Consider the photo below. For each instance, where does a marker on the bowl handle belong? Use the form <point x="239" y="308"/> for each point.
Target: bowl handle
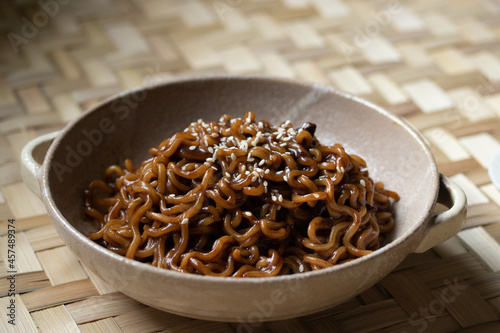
<point x="447" y="224"/>
<point x="32" y="157"/>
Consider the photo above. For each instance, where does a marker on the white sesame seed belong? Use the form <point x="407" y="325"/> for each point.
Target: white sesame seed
<point x="247" y="172"/>
<point x="285" y="178"/>
<point x="274" y="198"/>
<point x="261" y="163"/>
<point x="214" y="168"/>
<point x="287" y="122"/>
<point x="227" y="174"/>
<point x="280" y="198"/>
<point x="287" y="138"/>
<point x="200" y="121"/>
<point x="171" y="195"/>
<point x="210" y="159"/>
<point x="192" y="148"/>
<point x="265" y="183"/>
<point x="283" y="144"/>
<point x="267" y="171"/>
<point x="214" y="135"/>
<point x="362" y="182"/>
<point x="254" y="178"/>
<point x="279" y="207"/>
<point x="206" y="163"/>
<point x="238" y="177"/>
<point x="301" y="268"/>
<point x="233" y="156"/>
<point x="251" y="159"/>
<point x="185" y="221"/>
<point x="316" y="195"/>
<point x="342" y="169"/>
<point x="248" y="214"/>
<point x="266" y="206"/>
<point x="210" y="150"/>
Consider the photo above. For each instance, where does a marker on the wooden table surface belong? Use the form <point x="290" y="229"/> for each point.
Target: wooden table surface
<point x="435" y="63"/>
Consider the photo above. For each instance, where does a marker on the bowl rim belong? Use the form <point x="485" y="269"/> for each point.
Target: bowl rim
<point x="57" y="215"/>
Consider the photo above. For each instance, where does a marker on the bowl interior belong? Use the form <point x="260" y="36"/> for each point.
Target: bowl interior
<point x="125" y="127"/>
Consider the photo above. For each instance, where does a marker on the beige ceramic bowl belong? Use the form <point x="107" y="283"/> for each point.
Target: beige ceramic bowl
<point x="127" y="125"/>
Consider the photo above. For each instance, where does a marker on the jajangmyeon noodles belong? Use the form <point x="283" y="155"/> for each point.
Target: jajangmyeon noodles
<point x="241" y="198"/>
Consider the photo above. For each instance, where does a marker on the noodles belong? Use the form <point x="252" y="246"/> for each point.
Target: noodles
<point x="241" y="198"/>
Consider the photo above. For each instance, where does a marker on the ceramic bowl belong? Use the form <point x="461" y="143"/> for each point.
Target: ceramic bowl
<point x="128" y="124"/>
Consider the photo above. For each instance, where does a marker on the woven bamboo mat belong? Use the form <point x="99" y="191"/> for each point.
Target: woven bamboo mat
<point x="434" y="62"/>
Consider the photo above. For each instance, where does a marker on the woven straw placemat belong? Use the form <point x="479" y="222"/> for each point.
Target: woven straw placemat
<point x="434" y="62"/>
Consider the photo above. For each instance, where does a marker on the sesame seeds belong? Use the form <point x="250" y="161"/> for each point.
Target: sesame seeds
<point x="362" y="182"/>
<point x="185" y="221"/>
<point x="316" y="195"/>
<point x="247" y="214"/>
<point x="192" y="148"/>
<point x="233" y="156"/>
<point x="301" y="268"/>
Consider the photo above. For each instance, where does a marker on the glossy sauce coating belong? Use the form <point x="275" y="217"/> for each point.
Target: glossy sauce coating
<point x="241" y="198"/>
